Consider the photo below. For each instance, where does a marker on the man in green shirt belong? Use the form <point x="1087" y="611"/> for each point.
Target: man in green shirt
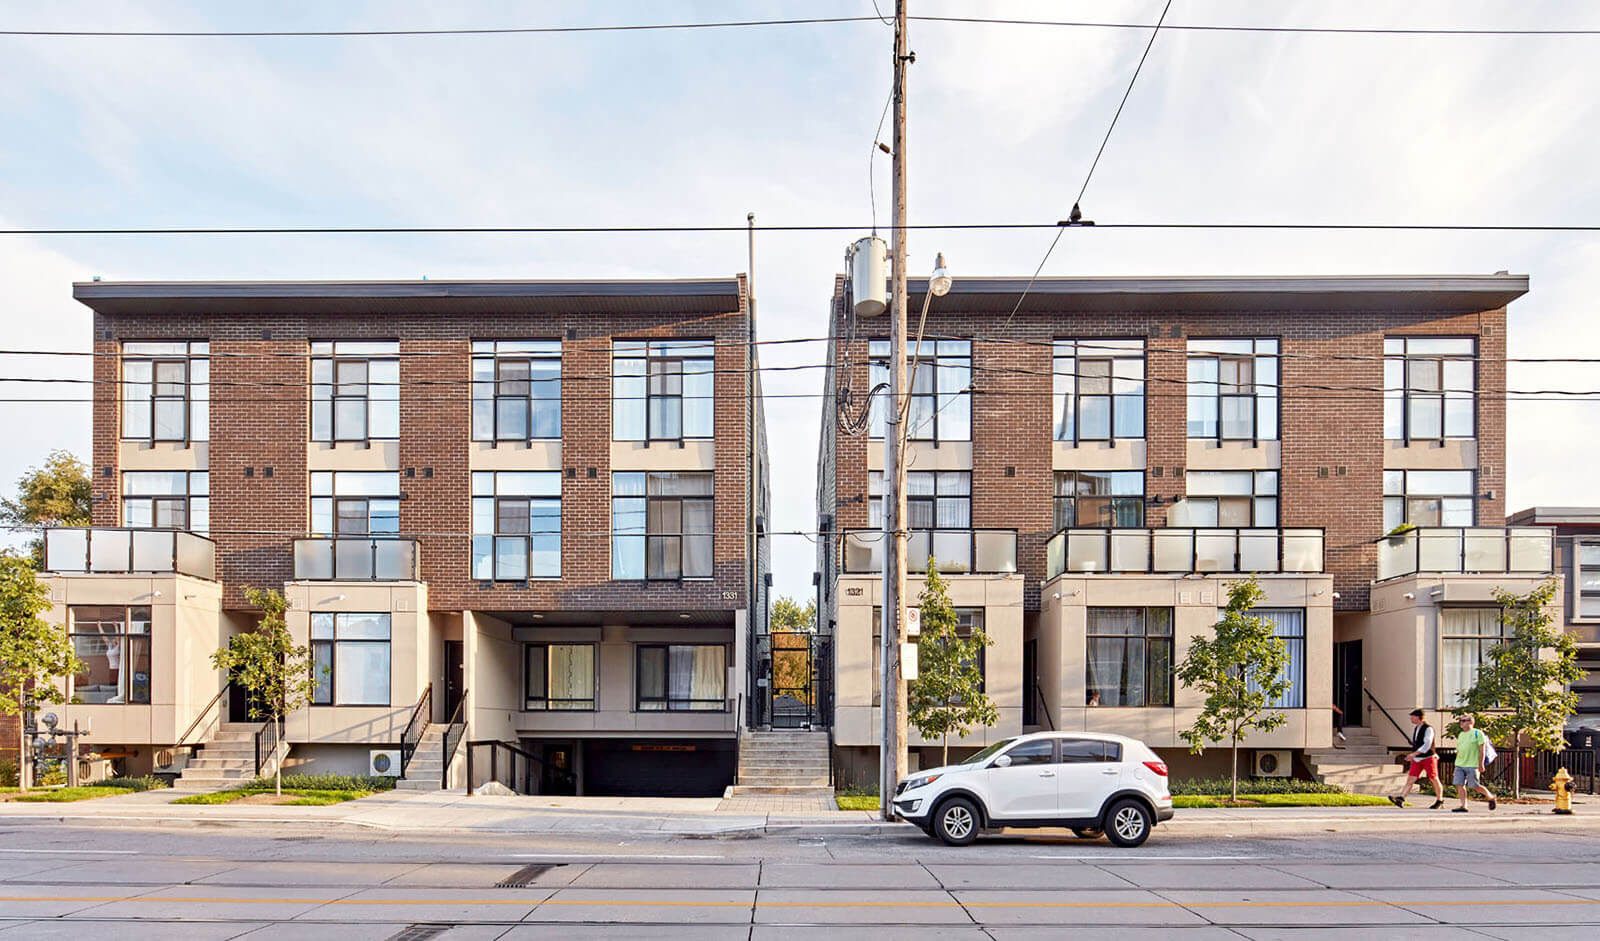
<point x="1471" y="746"/>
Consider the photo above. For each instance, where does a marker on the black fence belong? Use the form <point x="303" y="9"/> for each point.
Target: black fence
<point x="1538" y="769"/>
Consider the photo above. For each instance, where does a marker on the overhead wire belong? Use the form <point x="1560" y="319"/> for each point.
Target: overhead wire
<point x="685" y="229"/>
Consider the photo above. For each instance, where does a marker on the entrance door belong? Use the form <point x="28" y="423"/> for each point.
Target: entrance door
<point x="1347" y="681"/>
<point x="792" y="688"/>
<point x="454" y="675"/>
<point x="1030" y="681"/>
<point x="559" y="776"/>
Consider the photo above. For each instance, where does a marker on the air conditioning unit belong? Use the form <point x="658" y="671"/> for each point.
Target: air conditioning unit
<point x="1273" y="763"/>
<point x="385" y="762"/>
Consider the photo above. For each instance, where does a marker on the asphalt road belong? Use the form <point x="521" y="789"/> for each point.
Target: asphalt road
<point x="59" y="881"/>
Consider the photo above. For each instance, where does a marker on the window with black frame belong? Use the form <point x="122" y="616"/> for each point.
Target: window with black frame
<point x="662" y="390"/>
<point x="350" y="659"/>
<point x="167" y="500"/>
<point x="1429" y="388"/>
<point x="662" y="525"/>
<point x="1099" y="499"/>
<point x="1429" y="498"/>
<point x="516" y="390"/>
<point x="355" y="503"/>
<point x="1129" y="657"/>
<point x="1586" y="579"/>
<point x="559" y="677"/>
<point x="934" y="500"/>
<point x="166" y="391"/>
<point x="681" y="677"/>
<point x="1227" y="498"/>
<point x="1289" y="626"/>
<point x="113" y="644"/>
<point x="516" y="525"/>
<point x="1233" y="389"/>
<point x="1099" y="389"/>
<point x="1466" y="635"/>
<point x="941" y="389"/>
<point x="355" y="390"/>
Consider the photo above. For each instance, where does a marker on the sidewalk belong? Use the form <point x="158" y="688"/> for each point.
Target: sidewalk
<point x="439" y="811"/>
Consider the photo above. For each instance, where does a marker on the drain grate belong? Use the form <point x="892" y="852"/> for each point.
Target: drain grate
<point x="419" y="932"/>
<point x="523" y="877"/>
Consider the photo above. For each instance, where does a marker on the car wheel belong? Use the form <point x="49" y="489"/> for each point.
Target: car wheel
<point x="956" y="822"/>
<point x="1128" y="823"/>
<point x="1088" y="833"/>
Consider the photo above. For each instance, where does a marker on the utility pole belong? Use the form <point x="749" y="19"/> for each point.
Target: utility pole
<point x="892" y="698"/>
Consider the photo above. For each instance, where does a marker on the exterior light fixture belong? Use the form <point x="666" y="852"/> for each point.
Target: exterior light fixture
<point x="939" y="283"/>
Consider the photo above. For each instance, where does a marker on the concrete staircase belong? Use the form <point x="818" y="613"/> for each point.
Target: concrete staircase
<point x="783" y="762"/>
<point x="1362" y="766"/>
<point x="227" y="760"/>
<point x="426" y="770"/>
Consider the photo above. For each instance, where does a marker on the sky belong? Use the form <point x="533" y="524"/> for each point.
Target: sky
<point x="701" y="127"/>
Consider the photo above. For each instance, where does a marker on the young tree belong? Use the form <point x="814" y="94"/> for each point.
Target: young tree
<point x="947" y="696"/>
<point x="1240" y="668"/>
<point x="1521" y="693"/>
<point x="56" y="493"/>
<point x="33" y="653"/>
<point x="272" y="669"/>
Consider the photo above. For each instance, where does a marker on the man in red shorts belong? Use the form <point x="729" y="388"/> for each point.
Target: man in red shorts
<point x="1423" y="760"/>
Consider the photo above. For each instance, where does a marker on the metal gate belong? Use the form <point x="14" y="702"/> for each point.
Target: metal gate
<point x="802" y="665"/>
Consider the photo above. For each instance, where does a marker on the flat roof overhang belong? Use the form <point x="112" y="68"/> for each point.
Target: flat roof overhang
<point x="685" y="296"/>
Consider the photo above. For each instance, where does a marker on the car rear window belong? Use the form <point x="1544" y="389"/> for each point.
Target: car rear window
<point x="1074" y="750"/>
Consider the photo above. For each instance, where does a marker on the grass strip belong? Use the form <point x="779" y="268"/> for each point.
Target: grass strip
<point x="61" y="795"/>
<point x="1193" y="801"/>
<point x="857" y="801"/>
<point x="304" y="797"/>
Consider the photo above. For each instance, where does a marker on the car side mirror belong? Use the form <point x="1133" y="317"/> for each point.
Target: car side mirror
<point x="1004" y="761"/>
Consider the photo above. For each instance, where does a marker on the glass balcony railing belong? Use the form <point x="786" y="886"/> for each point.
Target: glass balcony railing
<point x="1468" y="550"/>
<point x="356" y="559"/>
<point x="957" y="551"/>
<point x="120" y="551"/>
<point x="1180" y="550"/>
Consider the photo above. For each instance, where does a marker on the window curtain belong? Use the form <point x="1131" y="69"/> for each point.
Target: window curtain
<point x="1467" y="635"/>
<point x="709" y="678"/>
<point x="680" y="674"/>
<point x="571" y="676"/>
<point x="1116" y="656"/>
<point x="1289" y="624"/>
<point x="652" y="678"/>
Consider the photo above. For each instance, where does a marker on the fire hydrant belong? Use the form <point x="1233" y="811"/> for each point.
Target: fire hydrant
<point x="1562" y="785"/>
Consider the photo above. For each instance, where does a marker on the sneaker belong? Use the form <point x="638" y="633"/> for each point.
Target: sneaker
<point x="1436" y="805"/>
<point x="1397" y="801"/>
<point x="1491" y="803"/>
<point x="1342" y="738"/>
<point x="1459" y="810"/>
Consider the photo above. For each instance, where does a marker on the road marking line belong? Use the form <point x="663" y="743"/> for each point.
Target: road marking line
<point x="7" y="849"/>
<point x="619" y="856"/>
<point x="1141" y="859"/>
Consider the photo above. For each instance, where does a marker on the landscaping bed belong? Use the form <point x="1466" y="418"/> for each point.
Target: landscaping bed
<point x="46" y="794"/>
<point x="299" y="790"/>
<point x="1193" y="801"/>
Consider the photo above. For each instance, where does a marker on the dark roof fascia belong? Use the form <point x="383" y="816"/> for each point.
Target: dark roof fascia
<point x="1556" y="516"/>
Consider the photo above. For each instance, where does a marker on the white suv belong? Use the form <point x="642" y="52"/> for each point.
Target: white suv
<point x="1090" y="782"/>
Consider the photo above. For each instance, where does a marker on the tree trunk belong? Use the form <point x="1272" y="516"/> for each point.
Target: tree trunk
<point x="277" y="766"/>
<point x="1235" y="767"/>
<point x="22" y="742"/>
<point x="1516" y="764"/>
<point x="944" y="755"/>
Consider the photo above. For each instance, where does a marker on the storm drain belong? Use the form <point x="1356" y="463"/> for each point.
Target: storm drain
<point x="524" y="877"/>
<point x="419" y="932"/>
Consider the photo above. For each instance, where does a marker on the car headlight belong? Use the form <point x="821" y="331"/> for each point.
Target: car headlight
<point x="913" y="783"/>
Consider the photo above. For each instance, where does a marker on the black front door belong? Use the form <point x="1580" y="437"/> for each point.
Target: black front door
<point x="1347" y="681"/>
<point x="1030" y="682"/>
<point x="454" y="675"/>
<point x="559" y="776"/>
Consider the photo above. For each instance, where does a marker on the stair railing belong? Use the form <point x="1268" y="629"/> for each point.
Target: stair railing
<point x="412" y="736"/>
<point x="1044" y="707"/>
<point x="454" y="731"/>
<point x="197" y="719"/>
<point x="1374" y="701"/>
<point x="268" y="741"/>
<point x="507" y="764"/>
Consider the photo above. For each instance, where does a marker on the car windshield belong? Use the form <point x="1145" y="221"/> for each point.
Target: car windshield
<point x="989" y="752"/>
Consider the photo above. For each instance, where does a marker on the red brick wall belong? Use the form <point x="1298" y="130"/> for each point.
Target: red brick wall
<point x="1322" y="430"/>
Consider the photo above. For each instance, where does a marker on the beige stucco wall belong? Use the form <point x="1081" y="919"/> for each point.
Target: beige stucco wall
<point x="187" y="626"/>
<point x="1000" y="596"/>
<point x="493" y="677"/>
<point x="352" y="456"/>
<point x="1195" y="601"/>
<point x="663" y="455"/>
<point x="1400" y="641"/>
<point x="926" y="455"/>
<point x="514" y="455"/>
<point x="1430" y="455"/>
<point x="1206" y="454"/>
<point x="1122" y="454"/>
<point x="162" y="456"/>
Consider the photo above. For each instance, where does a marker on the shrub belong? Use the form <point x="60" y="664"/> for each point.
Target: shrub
<point x="325" y="782"/>
<point x="1222" y="786"/>
<point x="146" y="783"/>
<point x="8" y="772"/>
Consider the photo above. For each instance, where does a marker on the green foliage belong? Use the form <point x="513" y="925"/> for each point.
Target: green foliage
<point x="1521" y="695"/>
<point x="8" y="772"/>
<point x="1192" y="801"/>
<point x="1402" y="529"/>
<point x="1222" y="787"/>
<point x="1240" y="668"/>
<point x="327" y="782"/>
<point x="792" y="627"/>
<point x="268" y="664"/>
<point x="56" y="493"/>
<point x="307" y="797"/>
<point x="789" y="615"/>
<point x="857" y="801"/>
<point x="146" y="783"/>
<point x="947" y="696"/>
<point x="34" y="655"/>
<point x="64" y="795"/>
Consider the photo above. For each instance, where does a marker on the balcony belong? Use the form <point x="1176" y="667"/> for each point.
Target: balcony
<point x="1468" y="551"/>
<point x="356" y="559"/>
<point x="120" y="551"/>
<point x="958" y="551"/>
<point x="1179" y="550"/>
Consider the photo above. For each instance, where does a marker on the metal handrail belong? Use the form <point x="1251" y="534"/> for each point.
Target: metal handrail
<point x="320" y="559"/>
<point x="136" y="551"/>
<point x="274" y="742"/>
<point x="1374" y="701"/>
<point x="1467" y="550"/>
<point x="455" y="727"/>
<point x="412" y="736"/>
<point x="1296" y="550"/>
<point x="196" y="723"/>
<point x="920" y="545"/>
<point x="1039" y="692"/>
<point x="513" y="753"/>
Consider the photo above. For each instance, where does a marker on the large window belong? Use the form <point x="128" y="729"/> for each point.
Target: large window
<point x="1466" y="635"/>
<point x="355" y="390"/>
<point x="941" y="389"/>
<point x="1129" y="657"/>
<point x="166" y="391"/>
<point x="167" y="500"/>
<point x="516" y="390"/>
<point x="1099" y="499"/>
<point x="662" y="390"/>
<point x="350" y="659"/>
<point x="559" y="677"/>
<point x="1289" y="624"/>
<point x="967" y="621"/>
<point x="1586" y="578"/>
<point x="681" y="677"/>
<point x="661" y="525"/>
<point x="1099" y="389"/>
<point x="1228" y="498"/>
<point x="1233" y="389"/>
<point x="355" y="503"/>
<point x="1428" y="498"/>
<point x="934" y="499"/>
<point x="1429" y="386"/>
<point x="516" y="525"/>
<point x="113" y="643"/>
